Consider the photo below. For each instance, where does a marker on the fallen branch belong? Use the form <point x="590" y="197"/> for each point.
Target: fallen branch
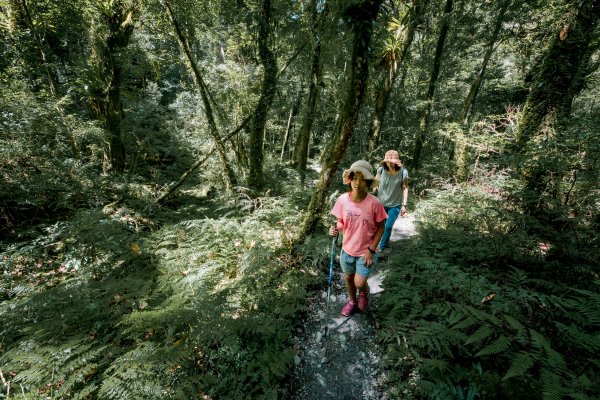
<point x="198" y="163"/>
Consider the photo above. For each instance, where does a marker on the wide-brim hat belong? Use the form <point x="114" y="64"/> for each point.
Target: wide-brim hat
<point x="393" y="157"/>
<point x="364" y="168"/>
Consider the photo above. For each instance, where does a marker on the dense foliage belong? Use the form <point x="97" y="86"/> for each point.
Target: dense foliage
<point x="158" y="160"/>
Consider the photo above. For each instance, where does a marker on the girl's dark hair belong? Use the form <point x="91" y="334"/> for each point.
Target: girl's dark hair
<point x="396" y="167"/>
<point x="351" y="177"/>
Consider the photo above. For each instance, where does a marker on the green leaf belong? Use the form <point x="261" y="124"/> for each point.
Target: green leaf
<point x="480" y="335"/>
<point x="519" y="365"/>
<point x="497" y="346"/>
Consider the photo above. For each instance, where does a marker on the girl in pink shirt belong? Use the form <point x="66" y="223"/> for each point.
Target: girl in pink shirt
<point x="362" y="218"/>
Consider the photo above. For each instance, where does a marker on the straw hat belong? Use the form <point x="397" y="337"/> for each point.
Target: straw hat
<point x="393" y="157"/>
<point x="364" y="168"/>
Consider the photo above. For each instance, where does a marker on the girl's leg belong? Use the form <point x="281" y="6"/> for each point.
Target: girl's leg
<point x="393" y="213"/>
<point x="350" y="286"/>
<point x="363" y="291"/>
<point x="360" y="282"/>
<point x="348" y="264"/>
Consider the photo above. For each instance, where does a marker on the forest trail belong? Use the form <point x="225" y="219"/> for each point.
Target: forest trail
<point x="345" y="362"/>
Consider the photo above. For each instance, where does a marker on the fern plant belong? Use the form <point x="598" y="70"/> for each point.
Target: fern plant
<point x="447" y="338"/>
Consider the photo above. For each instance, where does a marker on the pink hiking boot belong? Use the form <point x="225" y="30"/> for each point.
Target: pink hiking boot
<point x="349" y="308"/>
<point x="363" y="299"/>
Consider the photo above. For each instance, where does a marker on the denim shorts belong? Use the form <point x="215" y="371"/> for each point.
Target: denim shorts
<point x="352" y="265"/>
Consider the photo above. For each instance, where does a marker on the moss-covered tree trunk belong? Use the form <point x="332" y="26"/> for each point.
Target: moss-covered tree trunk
<point x="106" y="100"/>
<point x="17" y="16"/>
<point x="563" y="71"/>
<point x="302" y="142"/>
<point x="435" y="72"/>
<point x="557" y="82"/>
<point x="267" y="94"/>
<point x="362" y="17"/>
<point x="392" y="61"/>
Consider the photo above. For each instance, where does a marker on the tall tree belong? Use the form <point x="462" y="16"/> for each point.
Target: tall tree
<point x="230" y="178"/>
<point x="435" y="72"/>
<point x="21" y="21"/>
<point x="302" y="142"/>
<point x="557" y="82"/>
<point x="563" y="71"/>
<point x="394" y="57"/>
<point x="267" y="94"/>
<point x="361" y="17"/>
<point x="458" y="147"/>
<point x="119" y="17"/>
<point x="476" y="85"/>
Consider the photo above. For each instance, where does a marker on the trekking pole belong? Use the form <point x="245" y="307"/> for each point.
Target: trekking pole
<point x="333" y="240"/>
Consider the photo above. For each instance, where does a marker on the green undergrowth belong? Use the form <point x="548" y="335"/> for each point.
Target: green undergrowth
<point x="477" y="307"/>
<point x="112" y="305"/>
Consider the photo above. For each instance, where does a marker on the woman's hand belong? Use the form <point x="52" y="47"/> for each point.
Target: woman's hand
<point x="333" y="231"/>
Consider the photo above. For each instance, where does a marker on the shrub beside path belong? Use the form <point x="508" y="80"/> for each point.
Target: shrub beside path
<point x="342" y="361"/>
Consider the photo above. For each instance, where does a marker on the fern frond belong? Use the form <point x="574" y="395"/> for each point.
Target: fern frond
<point x="466" y="323"/>
<point x="519" y="365"/>
<point x="551" y="385"/>
<point x="480" y="335"/>
<point x="497" y="346"/>
<point x="517" y="276"/>
<point x="579" y="396"/>
<point x="433" y="364"/>
<point x="539" y="341"/>
<point x="521" y="335"/>
<point x="556" y="361"/>
<point x="578" y="339"/>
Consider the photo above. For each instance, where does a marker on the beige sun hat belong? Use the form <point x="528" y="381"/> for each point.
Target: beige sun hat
<point x="364" y="168"/>
<point x="393" y="157"/>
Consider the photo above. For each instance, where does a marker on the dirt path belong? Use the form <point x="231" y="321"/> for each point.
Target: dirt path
<point x="337" y="356"/>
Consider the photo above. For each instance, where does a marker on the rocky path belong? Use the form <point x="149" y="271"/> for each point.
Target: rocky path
<point x="337" y="356"/>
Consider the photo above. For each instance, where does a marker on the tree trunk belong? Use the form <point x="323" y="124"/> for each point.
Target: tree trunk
<point x="391" y="63"/>
<point x="286" y="135"/>
<point x="288" y="130"/>
<point x="474" y="90"/>
<point x="269" y="85"/>
<point x="302" y="142"/>
<point x="230" y="179"/>
<point x="18" y="16"/>
<point x="20" y="20"/>
<point x="558" y="81"/>
<point x="175" y="185"/>
<point x="458" y="147"/>
<point x="363" y="16"/>
<point x="106" y="104"/>
<point x="562" y="74"/>
<point x="435" y="71"/>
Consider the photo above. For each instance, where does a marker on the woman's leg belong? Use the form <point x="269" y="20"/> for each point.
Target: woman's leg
<point x="393" y="213"/>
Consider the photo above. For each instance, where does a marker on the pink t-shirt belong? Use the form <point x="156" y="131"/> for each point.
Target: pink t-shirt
<point x="360" y="222"/>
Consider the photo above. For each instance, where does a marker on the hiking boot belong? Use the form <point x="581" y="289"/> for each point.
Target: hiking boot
<point x="349" y="308"/>
<point x="363" y="299"/>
